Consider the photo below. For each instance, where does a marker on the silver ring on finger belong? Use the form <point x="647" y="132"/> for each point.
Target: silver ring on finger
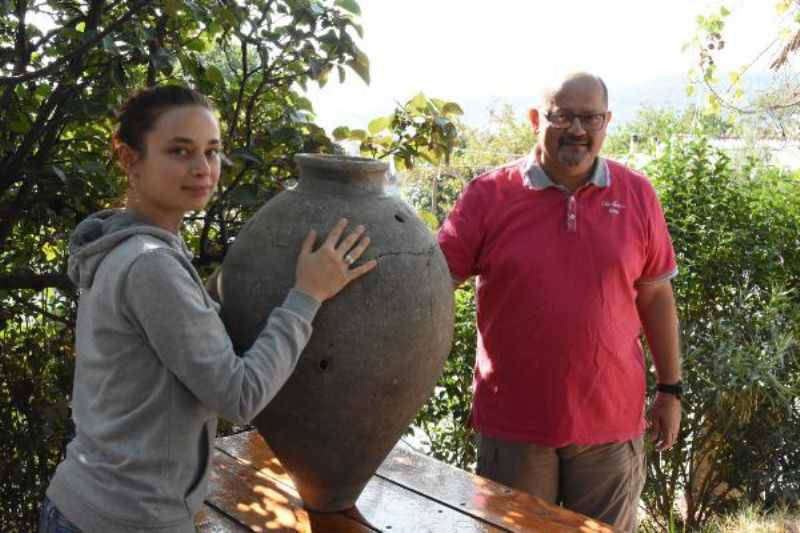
<point x="349" y="259"/>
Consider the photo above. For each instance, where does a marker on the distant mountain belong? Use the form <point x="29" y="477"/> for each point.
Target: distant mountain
<point x="625" y="102"/>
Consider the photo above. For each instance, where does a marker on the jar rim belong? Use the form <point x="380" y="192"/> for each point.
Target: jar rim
<point x="340" y="161"/>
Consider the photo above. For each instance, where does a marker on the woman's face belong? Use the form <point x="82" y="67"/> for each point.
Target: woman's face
<point x="180" y="166"/>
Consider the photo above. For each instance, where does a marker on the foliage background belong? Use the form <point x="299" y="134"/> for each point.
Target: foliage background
<point x="734" y="224"/>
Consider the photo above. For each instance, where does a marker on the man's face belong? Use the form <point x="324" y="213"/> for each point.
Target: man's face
<point x="574" y="146"/>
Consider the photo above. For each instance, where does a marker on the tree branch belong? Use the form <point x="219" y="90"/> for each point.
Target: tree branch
<point x="237" y="107"/>
<point x="52" y="33"/>
<point x="11" y="215"/>
<point x="47" y="118"/>
<point x="37" y="282"/>
<point x="47" y="314"/>
<point x="154" y="46"/>
<point x="80" y="50"/>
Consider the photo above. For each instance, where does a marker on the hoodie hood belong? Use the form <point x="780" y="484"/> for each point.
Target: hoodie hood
<point x="98" y="234"/>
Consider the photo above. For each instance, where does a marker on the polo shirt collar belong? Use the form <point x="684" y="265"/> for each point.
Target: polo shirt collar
<point x="536" y="178"/>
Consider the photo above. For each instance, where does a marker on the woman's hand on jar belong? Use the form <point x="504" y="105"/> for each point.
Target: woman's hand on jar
<point x="323" y="273"/>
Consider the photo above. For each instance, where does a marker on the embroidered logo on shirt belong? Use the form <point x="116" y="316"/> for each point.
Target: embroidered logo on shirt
<point x="614" y="207"/>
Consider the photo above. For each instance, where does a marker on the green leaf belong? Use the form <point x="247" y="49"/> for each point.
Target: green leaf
<point x="162" y="60"/>
<point x="60" y="173"/>
<point x="452" y="108"/>
<point x="418" y="103"/>
<point x="379" y="124"/>
<point x="301" y="102"/>
<point x="246" y="195"/>
<point x="349" y="5"/>
<point x="109" y="45"/>
<point x="442" y="122"/>
<point x="428" y="218"/>
<point x="171" y="7"/>
<point x="42" y="91"/>
<point x="341" y="133"/>
<point x="329" y="38"/>
<point x="50" y="251"/>
<point x="298" y="115"/>
<point x="358" y="135"/>
<point x="315" y="67"/>
<point x="361" y="66"/>
<point x="724" y="11"/>
<point x="214" y="75"/>
<point x="20" y="124"/>
<point x="322" y="79"/>
<point x="213" y="28"/>
<point x="80" y="27"/>
<point x="197" y="45"/>
<point x="316" y="9"/>
<point x="712" y="104"/>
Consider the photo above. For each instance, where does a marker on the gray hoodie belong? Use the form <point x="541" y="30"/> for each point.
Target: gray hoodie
<point x="154" y="368"/>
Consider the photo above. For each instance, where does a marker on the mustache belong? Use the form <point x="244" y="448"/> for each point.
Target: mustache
<point x="574" y="140"/>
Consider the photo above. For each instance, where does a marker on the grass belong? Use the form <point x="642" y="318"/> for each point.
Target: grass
<point x="748" y="520"/>
<point x="753" y="520"/>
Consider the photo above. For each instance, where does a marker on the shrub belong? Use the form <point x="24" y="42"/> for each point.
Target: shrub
<point x="735" y="235"/>
<point x="444" y="417"/>
<point x="36" y="362"/>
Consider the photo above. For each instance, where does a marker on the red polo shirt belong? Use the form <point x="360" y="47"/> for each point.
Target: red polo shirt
<point x="559" y="360"/>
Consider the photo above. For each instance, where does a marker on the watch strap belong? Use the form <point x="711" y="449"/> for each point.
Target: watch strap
<point x="676" y="389"/>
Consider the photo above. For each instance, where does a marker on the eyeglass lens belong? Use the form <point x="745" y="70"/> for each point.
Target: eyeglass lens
<point x="589" y="121"/>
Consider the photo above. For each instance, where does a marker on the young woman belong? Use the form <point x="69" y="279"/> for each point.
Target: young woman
<point x="154" y="364"/>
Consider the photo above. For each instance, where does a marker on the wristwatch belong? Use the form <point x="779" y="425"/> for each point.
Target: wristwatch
<point x="676" y="389"/>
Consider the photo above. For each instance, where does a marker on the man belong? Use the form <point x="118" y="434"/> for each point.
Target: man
<point x="573" y="260"/>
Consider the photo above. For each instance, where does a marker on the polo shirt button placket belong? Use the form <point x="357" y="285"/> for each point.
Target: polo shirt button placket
<point x="571" y="214"/>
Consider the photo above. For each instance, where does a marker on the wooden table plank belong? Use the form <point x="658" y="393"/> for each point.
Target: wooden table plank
<point x="391" y="508"/>
<point x="260" y="503"/>
<point x="209" y="520"/>
<point x="383" y="506"/>
<point x="434" y="496"/>
<point x="498" y="504"/>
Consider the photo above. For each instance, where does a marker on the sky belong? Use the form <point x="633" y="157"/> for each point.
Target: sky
<point x="485" y="53"/>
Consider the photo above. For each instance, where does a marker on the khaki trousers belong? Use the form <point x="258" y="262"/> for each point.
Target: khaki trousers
<point x="603" y="481"/>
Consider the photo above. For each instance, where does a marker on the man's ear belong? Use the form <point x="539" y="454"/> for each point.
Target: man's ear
<point x="533" y="117"/>
<point x="608" y="118"/>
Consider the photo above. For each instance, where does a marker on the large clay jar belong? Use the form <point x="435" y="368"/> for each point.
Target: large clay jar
<point x="378" y="347"/>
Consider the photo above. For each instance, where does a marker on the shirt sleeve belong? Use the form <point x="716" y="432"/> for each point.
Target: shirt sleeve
<point x="461" y="235"/>
<point x="188" y="336"/>
<point x="660" y="264"/>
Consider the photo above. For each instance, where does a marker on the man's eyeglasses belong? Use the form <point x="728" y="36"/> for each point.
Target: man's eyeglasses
<point x="564" y="119"/>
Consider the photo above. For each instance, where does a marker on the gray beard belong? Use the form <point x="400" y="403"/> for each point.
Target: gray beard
<point x="569" y="157"/>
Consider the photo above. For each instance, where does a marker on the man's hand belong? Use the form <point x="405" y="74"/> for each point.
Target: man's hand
<point x="656" y="305"/>
<point x="664" y="420"/>
<point x="324" y="272"/>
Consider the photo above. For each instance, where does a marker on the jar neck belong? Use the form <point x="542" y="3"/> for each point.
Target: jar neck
<point x="340" y="174"/>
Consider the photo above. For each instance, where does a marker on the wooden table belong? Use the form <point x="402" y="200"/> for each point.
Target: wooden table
<point x="410" y="492"/>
